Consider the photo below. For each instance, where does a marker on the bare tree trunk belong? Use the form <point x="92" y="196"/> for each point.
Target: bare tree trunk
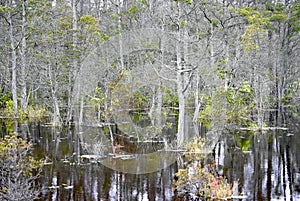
<point x="282" y="70"/>
<point x="181" y="100"/>
<point x="180" y="86"/>
<point x="159" y="105"/>
<point x="259" y="101"/>
<point x="56" y="115"/>
<point x="53" y="86"/>
<point x="156" y="107"/>
<point x="120" y="34"/>
<point x="80" y="121"/>
<point x="272" y="63"/>
<point x="197" y="101"/>
<point x="23" y="78"/>
<point x="13" y="63"/>
<point x="211" y="46"/>
<point x="74" y="70"/>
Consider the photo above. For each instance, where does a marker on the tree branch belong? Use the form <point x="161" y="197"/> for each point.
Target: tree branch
<point x="163" y="77"/>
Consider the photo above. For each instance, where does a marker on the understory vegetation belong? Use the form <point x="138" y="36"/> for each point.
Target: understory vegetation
<point x="19" y="170"/>
<point x="199" y="180"/>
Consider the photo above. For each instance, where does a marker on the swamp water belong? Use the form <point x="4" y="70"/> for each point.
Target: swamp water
<point x="265" y="165"/>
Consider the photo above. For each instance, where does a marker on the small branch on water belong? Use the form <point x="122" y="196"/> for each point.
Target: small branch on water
<point x="187" y="152"/>
<point x="263" y="128"/>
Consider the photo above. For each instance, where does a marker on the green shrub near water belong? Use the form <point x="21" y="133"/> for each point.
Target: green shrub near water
<point x="200" y="181"/>
<point x="31" y="112"/>
<point x="18" y="169"/>
<point x="4" y="98"/>
<point x="8" y="110"/>
<point x="235" y="103"/>
<point x="203" y="183"/>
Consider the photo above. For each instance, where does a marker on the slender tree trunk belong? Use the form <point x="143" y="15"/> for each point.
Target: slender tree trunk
<point x="156" y="107"/>
<point x="120" y="35"/>
<point x="56" y="115"/>
<point x="13" y="63"/>
<point x="73" y="70"/>
<point x="272" y="85"/>
<point x="196" y="123"/>
<point x="23" y="78"/>
<point x="53" y="86"/>
<point x="159" y="105"/>
<point x="259" y="101"/>
<point x="281" y="71"/>
<point x="211" y="46"/>
<point x="181" y="103"/>
<point x="197" y="101"/>
<point x="80" y="121"/>
<point x="180" y="86"/>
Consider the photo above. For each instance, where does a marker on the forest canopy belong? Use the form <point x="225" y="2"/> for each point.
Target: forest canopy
<point x="231" y="61"/>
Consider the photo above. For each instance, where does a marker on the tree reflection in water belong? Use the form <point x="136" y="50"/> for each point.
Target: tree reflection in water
<point x="265" y="165"/>
<point x="71" y="178"/>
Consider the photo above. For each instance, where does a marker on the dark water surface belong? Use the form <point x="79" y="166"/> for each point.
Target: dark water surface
<point x="71" y="178"/>
<point x="266" y="166"/>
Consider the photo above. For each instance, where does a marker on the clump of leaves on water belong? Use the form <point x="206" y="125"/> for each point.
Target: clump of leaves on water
<point x="199" y="181"/>
<point x="19" y="170"/>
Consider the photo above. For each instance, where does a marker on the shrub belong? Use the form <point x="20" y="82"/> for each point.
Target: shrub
<point x="198" y="181"/>
<point x="18" y="169"/>
<point x="201" y="182"/>
<point x="4" y="97"/>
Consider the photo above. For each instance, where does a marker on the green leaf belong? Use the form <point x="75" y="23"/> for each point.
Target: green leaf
<point x="88" y="20"/>
<point x="4" y="9"/>
<point x="104" y="37"/>
<point x="133" y="10"/>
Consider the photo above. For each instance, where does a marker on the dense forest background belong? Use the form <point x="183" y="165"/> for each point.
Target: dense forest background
<point x="233" y="62"/>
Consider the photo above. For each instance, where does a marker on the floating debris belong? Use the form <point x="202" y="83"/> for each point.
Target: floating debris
<point x="65" y="161"/>
<point x="53" y="187"/>
<point x="94" y="157"/>
<point x="263" y="128"/>
<point x="68" y="187"/>
<point x="123" y="157"/>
